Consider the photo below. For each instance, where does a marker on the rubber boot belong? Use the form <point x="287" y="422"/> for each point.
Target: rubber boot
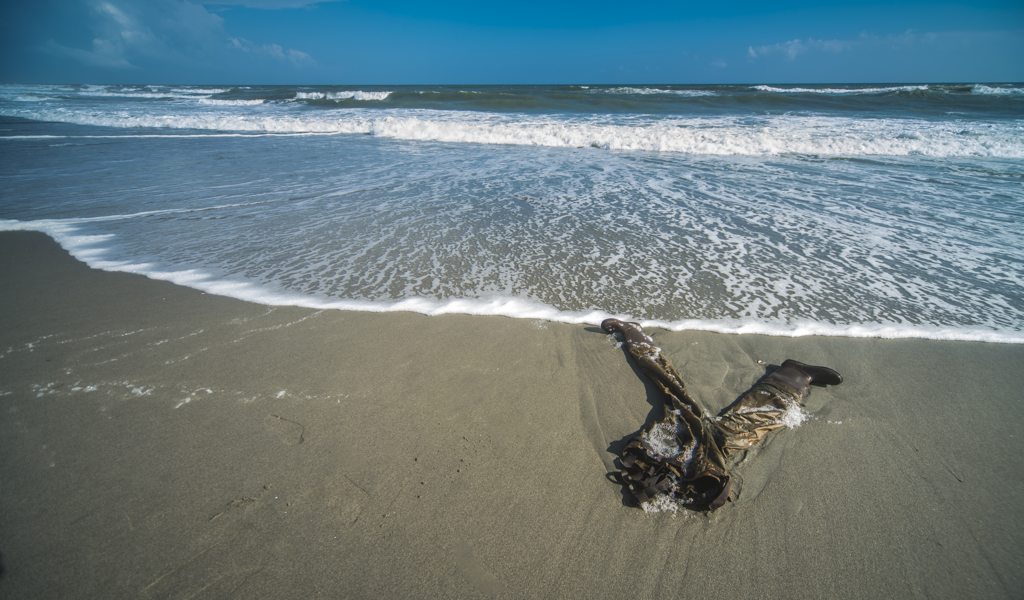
<point x="800" y="377"/>
<point x="631" y="332"/>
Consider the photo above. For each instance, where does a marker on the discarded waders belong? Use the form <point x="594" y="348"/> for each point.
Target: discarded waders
<point x="685" y="455"/>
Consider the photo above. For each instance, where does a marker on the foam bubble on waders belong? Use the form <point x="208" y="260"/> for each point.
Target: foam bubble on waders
<point x="662" y="503"/>
<point x="794" y="416"/>
<point x="663" y="441"/>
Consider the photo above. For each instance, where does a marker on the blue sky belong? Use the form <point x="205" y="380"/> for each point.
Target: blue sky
<point x="453" y="42"/>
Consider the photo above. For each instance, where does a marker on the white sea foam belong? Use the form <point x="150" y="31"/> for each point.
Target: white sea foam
<point x="132" y="136"/>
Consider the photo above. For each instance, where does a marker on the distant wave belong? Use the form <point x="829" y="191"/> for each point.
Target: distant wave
<point x="646" y="91"/>
<point x="976" y="101"/>
<point x="30" y="98"/>
<point x="219" y="102"/>
<point x="989" y="90"/>
<point x="101" y="93"/>
<point x="209" y="91"/>
<point x="878" y="90"/>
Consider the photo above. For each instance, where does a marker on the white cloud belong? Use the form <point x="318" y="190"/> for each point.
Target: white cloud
<point x="720" y="64"/>
<point x="148" y="33"/>
<point x="113" y="11"/>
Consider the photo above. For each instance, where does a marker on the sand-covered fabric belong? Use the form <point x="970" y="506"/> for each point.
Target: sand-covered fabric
<point x="685" y="458"/>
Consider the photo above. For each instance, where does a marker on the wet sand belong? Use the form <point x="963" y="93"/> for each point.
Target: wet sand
<point x="158" y="442"/>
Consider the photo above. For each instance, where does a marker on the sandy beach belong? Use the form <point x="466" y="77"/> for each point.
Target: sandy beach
<point x="158" y="442"/>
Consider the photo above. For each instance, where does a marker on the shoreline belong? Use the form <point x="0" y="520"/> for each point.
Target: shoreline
<point x="157" y="441"/>
<point x="500" y="306"/>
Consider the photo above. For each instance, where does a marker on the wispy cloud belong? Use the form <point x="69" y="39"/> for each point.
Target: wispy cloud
<point x="907" y="40"/>
<point x="104" y="54"/>
<point x="269" y="4"/>
<point x="296" y="57"/>
<point x="794" y="48"/>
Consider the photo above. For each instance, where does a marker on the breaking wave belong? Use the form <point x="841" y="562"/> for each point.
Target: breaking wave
<point x="719" y="136"/>
<point x="338" y="96"/>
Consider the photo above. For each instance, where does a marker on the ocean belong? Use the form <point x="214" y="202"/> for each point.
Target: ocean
<point x="849" y="210"/>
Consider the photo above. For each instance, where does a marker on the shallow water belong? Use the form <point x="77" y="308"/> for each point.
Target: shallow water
<point x="879" y="211"/>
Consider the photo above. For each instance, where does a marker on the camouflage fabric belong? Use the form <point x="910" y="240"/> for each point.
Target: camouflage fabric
<point x="686" y="455"/>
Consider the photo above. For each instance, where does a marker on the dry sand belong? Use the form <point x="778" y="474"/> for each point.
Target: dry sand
<point x="157" y="442"/>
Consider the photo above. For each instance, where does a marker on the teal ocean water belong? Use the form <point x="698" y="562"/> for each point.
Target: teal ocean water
<point x="868" y="210"/>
